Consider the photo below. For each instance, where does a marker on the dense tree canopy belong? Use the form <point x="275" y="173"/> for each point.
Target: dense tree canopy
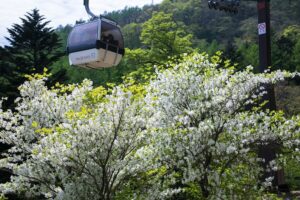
<point x="165" y="37"/>
<point x="185" y="134"/>
<point x="8" y="76"/>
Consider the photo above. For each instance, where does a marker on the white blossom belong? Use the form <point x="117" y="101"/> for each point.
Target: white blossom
<point x="192" y="127"/>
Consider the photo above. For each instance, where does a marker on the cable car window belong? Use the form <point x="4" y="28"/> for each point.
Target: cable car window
<point x="83" y="36"/>
<point x="111" y="34"/>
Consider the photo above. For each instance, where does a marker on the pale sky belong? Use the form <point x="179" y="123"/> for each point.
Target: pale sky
<point x="57" y="11"/>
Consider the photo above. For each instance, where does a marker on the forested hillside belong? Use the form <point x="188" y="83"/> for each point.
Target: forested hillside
<point x="208" y="30"/>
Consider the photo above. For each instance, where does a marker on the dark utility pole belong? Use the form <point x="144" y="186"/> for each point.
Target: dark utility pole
<point x="263" y="7"/>
<point x="268" y="152"/>
<point x="264" y="34"/>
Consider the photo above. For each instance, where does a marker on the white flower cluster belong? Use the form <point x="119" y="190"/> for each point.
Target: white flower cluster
<point x="194" y="126"/>
<point x="202" y="125"/>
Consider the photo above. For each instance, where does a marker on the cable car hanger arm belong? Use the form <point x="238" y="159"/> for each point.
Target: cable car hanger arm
<point x="87" y="8"/>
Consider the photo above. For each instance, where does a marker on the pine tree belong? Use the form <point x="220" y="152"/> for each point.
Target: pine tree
<point x="9" y="78"/>
<point x="33" y="44"/>
<point x="33" y="47"/>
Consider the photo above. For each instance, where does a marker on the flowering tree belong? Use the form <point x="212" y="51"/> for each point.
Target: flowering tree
<point x="205" y="134"/>
<point x="192" y="132"/>
<point x="66" y="147"/>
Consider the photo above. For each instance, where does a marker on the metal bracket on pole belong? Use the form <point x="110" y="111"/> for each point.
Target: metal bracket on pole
<point x="87" y="8"/>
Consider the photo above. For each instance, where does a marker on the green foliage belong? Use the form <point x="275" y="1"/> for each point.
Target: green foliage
<point x="154" y="33"/>
<point x="63" y="32"/>
<point x="96" y="95"/>
<point x="165" y="37"/>
<point x="285" y="51"/>
<point x="33" y="45"/>
<point x="249" y="54"/>
<point x="292" y="174"/>
<point x="210" y="48"/>
<point x="288" y="98"/>
<point x="8" y="78"/>
<point x="142" y="63"/>
<point x="131" y="33"/>
<point x="129" y="15"/>
<point x="296" y="57"/>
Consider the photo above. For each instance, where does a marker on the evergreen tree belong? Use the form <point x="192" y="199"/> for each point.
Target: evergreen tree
<point x="33" y="44"/>
<point x="8" y="78"/>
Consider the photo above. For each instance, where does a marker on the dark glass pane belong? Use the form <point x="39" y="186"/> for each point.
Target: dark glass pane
<point x="83" y="36"/>
<point x="111" y="34"/>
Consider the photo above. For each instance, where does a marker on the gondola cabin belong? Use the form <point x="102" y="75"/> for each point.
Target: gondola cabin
<point x="96" y="44"/>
